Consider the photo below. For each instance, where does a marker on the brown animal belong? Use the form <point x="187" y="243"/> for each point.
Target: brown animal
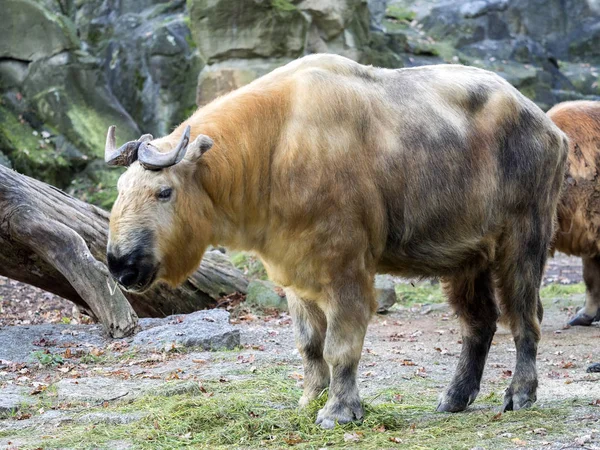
<point x="578" y="230"/>
<point x="332" y="171"/>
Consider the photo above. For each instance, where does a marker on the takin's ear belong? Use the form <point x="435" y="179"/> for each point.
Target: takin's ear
<point x="198" y="147"/>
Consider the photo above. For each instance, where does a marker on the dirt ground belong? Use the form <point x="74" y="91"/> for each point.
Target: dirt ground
<point x="408" y="358"/>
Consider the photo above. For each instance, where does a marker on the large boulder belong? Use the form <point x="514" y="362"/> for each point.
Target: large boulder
<point x="30" y="32"/>
<point x="225" y="29"/>
<point x="71" y="95"/>
<point x="337" y="26"/>
<point x="152" y="66"/>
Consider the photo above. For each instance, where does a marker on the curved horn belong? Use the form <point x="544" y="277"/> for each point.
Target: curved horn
<point x="152" y="159"/>
<point x="122" y="156"/>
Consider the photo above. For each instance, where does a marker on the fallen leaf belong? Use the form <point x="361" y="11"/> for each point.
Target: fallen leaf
<point x="355" y="436"/>
<point x="497" y="416"/>
<point x="519" y="442"/>
<point x="293" y="439"/>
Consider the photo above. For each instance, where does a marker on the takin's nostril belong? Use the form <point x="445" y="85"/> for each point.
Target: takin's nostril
<point x="128" y="277"/>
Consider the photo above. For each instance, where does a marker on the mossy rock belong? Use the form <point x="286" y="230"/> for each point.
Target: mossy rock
<point x="30" y="32"/>
<point x="97" y="184"/>
<point x="265" y="294"/>
<point x="72" y="96"/>
<point x="225" y="29"/>
<point x="29" y="152"/>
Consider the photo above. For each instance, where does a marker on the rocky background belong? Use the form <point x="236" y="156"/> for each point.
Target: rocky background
<point x="71" y="68"/>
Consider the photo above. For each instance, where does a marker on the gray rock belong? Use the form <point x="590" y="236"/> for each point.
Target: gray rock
<point x="225" y="29"/>
<point x="377" y="10"/>
<point x="30" y="32"/>
<point x="71" y="94"/>
<point x="12" y="73"/>
<point x="386" y="293"/>
<point x="481" y="7"/>
<point x="152" y="65"/>
<point x="340" y="27"/>
<point x="99" y="389"/>
<point x="209" y="330"/>
<point x="18" y="342"/>
<point x="223" y="77"/>
<point x="263" y="293"/>
<point x="11" y="399"/>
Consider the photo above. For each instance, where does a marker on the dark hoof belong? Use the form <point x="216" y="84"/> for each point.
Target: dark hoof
<point x="582" y="320"/>
<point x="456" y="400"/>
<point x="594" y="368"/>
<point x="340" y="413"/>
<point x="513" y="401"/>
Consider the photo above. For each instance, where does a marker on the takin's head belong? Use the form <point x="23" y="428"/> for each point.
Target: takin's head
<point x="160" y="222"/>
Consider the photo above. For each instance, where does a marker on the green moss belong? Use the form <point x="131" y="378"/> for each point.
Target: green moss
<point x="283" y="5"/>
<point x="400" y="13"/>
<point x="249" y="264"/>
<point x="31" y="154"/>
<point x="97" y="185"/>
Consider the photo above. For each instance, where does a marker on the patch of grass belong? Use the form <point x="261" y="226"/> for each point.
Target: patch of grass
<point x="561" y="290"/>
<point x="261" y="412"/>
<point x="419" y="293"/>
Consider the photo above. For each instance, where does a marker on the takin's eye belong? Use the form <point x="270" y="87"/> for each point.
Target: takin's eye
<point x="164" y="194"/>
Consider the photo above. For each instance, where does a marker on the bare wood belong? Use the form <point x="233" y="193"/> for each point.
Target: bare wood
<point x="58" y="243"/>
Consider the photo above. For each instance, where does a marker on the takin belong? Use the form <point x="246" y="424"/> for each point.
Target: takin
<point x="578" y="230"/>
<point x="332" y="171"/>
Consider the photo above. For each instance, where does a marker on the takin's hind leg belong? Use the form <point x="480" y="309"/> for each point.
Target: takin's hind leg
<point x="591" y="311"/>
<point x="473" y="301"/>
<point x="310" y="326"/>
<point x="348" y="309"/>
<point x="520" y="264"/>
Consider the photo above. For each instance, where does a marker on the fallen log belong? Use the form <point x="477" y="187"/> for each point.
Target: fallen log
<point x="58" y="243"/>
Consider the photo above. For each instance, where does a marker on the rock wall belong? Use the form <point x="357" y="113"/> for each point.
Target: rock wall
<point x="70" y="68"/>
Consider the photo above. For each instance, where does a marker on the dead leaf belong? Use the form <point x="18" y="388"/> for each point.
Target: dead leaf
<point x="355" y="436"/>
<point x="497" y="416"/>
<point x="396" y="440"/>
<point x="519" y="442"/>
<point x="293" y="439"/>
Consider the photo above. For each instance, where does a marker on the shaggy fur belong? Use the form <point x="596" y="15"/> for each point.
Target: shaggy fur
<point x="332" y="171"/>
<point x="578" y="210"/>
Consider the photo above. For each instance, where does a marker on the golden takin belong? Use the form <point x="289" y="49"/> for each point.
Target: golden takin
<point x="332" y="171"/>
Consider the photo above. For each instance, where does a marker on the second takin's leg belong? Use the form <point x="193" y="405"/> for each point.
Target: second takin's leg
<point x="349" y="308"/>
<point x="310" y="327"/>
<point x="520" y="264"/>
<point x="472" y="298"/>
<point x="591" y="311"/>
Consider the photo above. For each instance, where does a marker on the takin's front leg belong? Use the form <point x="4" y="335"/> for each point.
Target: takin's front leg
<point x="310" y="327"/>
<point x="591" y="311"/>
<point x="473" y="301"/>
<point x="348" y="311"/>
